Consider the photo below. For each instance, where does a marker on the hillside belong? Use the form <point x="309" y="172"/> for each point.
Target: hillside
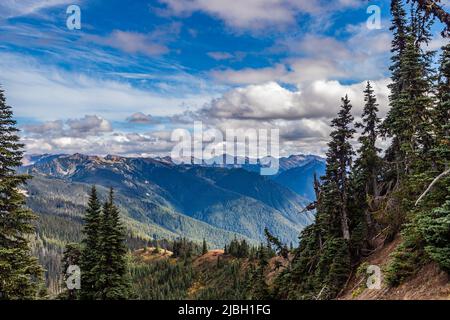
<point x="289" y="177"/>
<point x="429" y="283"/>
<point x="216" y="275"/>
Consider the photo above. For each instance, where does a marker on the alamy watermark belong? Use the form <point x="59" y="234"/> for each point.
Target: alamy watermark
<point x="374" y="20"/>
<point x="73" y="21"/>
<point x="374" y="280"/>
<point x="73" y="277"/>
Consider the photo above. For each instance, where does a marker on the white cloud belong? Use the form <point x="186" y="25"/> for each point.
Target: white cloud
<point x="14" y="8"/>
<point x="132" y="42"/>
<point x="251" y="75"/>
<point x="258" y="14"/>
<point x="89" y="125"/>
<point x="302" y="117"/>
<point x="128" y="144"/>
<point x="363" y="55"/>
<point x="139" y="117"/>
<point x="150" y="44"/>
<point x="270" y="101"/>
<point x="47" y="93"/>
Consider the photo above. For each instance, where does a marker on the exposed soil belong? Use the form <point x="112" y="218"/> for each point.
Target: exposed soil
<point x="430" y="283"/>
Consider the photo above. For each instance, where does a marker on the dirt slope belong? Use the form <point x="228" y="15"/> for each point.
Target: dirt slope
<point x="429" y="283"/>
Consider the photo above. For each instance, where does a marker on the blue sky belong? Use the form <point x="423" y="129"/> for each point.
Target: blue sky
<point x="138" y="69"/>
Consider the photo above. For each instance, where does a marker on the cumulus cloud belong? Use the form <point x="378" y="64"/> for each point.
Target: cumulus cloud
<point x="251" y="75"/>
<point x="271" y="101"/>
<point x="49" y="127"/>
<point x="302" y="117"/>
<point x="89" y="125"/>
<point x="127" y="144"/>
<point x="141" y="118"/>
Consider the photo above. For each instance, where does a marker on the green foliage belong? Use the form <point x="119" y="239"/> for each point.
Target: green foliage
<point x="281" y="249"/>
<point x="111" y="272"/>
<point x="183" y="248"/>
<point x="257" y="287"/>
<point x="165" y="279"/>
<point x="434" y="227"/>
<point x="227" y="280"/>
<point x="20" y="272"/>
<point x="322" y="263"/>
<point x="102" y="254"/>
<point x="418" y="123"/>
<point x="91" y="252"/>
<point x="238" y="248"/>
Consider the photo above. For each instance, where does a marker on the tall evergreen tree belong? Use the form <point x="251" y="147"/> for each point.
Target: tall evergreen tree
<point x="19" y="271"/>
<point x="111" y="269"/>
<point x="322" y="263"/>
<point x="368" y="165"/>
<point x="442" y="112"/>
<point x="408" y="121"/>
<point x="394" y="122"/>
<point x="339" y="160"/>
<point x="90" y="253"/>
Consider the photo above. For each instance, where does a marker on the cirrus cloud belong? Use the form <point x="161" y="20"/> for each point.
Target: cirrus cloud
<point x="258" y="14"/>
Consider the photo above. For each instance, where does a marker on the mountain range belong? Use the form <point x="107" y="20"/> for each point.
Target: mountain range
<point x="160" y="199"/>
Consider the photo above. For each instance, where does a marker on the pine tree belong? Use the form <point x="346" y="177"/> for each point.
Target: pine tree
<point x="204" y="247"/>
<point x="369" y="163"/>
<point x="408" y="121"/>
<point x="419" y="138"/>
<point x="442" y="112"/>
<point x="322" y="263"/>
<point x="399" y="29"/>
<point x="394" y="122"/>
<point x="90" y="252"/>
<point x="339" y="160"/>
<point x="434" y="224"/>
<point x="111" y="269"/>
<point x="367" y="167"/>
<point x="19" y="271"/>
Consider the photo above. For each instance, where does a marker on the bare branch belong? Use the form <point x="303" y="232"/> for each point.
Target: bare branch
<point x="433" y="7"/>
<point x="432" y="184"/>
